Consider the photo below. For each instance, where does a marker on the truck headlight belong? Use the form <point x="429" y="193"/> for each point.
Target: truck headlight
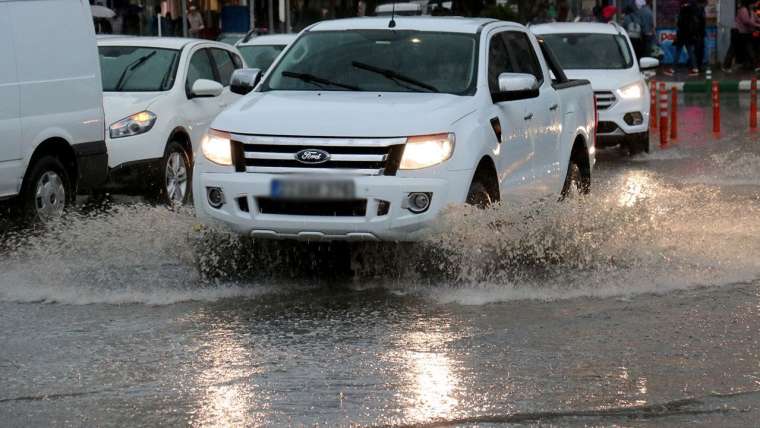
<point x="216" y="147"/>
<point x="632" y="91"/>
<point x="138" y="123"/>
<point x="427" y="150"/>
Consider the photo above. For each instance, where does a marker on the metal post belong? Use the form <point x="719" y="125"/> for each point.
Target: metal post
<point x="252" y="9"/>
<point x="183" y="5"/>
<point x="270" y="10"/>
<point x="158" y="21"/>
<point x="287" y="16"/>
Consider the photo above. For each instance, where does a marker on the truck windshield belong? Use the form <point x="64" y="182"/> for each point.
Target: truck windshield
<point x="137" y="69"/>
<point x="378" y="61"/>
<point x="579" y="51"/>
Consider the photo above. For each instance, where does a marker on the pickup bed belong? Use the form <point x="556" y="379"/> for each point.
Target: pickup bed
<point x="365" y="129"/>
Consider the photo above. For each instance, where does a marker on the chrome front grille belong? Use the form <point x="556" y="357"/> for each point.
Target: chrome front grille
<point x="357" y="156"/>
<point x="604" y="99"/>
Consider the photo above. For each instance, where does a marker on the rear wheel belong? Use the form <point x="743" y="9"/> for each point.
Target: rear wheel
<point x="46" y="191"/>
<point x="638" y="143"/>
<point x="177" y="174"/>
<point x="576" y="183"/>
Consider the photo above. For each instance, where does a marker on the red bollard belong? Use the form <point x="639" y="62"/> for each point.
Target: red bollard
<point x="753" y="105"/>
<point x="716" y="107"/>
<point x="663" y="116"/>
<point x="674" y="113"/>
<point x="653" y="104"/>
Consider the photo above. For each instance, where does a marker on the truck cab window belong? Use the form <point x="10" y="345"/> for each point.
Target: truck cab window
<point x="522" y="55"/>
<point x="498" y="61"/>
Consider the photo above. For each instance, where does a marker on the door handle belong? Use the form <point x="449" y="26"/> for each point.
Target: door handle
<point x="554" y="107"/>
<point x="529" y="116"/>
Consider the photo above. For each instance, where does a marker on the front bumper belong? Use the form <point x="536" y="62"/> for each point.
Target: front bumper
<point x="613" y="128"/>
<point x="399" y="224"/>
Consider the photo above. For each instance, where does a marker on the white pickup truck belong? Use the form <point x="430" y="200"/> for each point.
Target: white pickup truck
<point x="365" y="129"/>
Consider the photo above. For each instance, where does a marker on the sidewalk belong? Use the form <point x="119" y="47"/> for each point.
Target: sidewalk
<point x="739" y="80"/>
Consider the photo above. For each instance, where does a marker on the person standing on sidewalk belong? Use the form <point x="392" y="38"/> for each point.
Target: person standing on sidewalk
<point x="646" y="19"/>
<point x="687" y="34"/>
<point x="632" y="25"/>
<point x="746" y="23"/>
<point x="195" y="19"/>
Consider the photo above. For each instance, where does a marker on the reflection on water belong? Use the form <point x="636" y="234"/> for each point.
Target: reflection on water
<point x="430" y="386"/>
<point x="231" y="397"/>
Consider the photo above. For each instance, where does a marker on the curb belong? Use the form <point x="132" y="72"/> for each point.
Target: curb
<point x="703" y="86"/>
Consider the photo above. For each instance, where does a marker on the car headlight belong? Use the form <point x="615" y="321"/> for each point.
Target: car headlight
<point x="427" y="150"/>
<point x="632" y="91"/>
<point x="216" y="147"/>
<point x="138" y="123"/>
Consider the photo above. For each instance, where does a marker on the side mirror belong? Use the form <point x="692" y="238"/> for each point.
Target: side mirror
<point x="206" y="88"/>
<point x="516" y="86"/>
<point x="244" y="80"/>
<point x="648" y="63"/>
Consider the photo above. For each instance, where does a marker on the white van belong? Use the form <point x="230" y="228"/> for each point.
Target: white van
<point x="52" y="131"/>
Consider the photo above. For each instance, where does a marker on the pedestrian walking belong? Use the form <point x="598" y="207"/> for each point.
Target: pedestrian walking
<point x="690" y="28"/>
<point x="195" y="21"/>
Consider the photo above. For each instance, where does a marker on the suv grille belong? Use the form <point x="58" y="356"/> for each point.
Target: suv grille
<point x="604" y="99"/>
<point x="274" y="154"/>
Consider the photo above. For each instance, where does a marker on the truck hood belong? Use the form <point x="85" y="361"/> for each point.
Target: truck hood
<point x="605" y="80"/>
<point x="344" y="114"/>
<point x="118" y="105"/>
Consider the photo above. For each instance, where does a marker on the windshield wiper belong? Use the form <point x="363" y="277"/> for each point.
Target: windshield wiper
<point x="310" y="78"/>
<point x="394" y="75"/>
<point x="136" y="63"/>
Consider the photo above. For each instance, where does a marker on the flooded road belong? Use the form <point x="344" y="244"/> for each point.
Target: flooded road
<point x="636" y="306"/>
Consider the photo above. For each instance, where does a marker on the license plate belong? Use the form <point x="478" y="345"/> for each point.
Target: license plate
<point x="311" y="189"/>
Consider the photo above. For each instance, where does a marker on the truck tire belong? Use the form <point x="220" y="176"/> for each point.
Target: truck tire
<point x="176" y="176"/>
<point x="575" y="182"/>
<point x="478" y="195"/>
<point x="638" y="143"/>
<point x="47" y="190"/>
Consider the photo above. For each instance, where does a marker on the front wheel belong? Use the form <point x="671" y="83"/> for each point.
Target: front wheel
<point x="177" y="174"/>
<point x="576" y="183"/>
<point x="47" y="190"/>
<point x="478" y="195"/>
<point x="638" y="143"/>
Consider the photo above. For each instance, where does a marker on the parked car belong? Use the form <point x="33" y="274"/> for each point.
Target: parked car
<point x="603" y="54"/>
<point x="230" y="38"/>
<point x="399" y="9"/>
<point x="260" y="52"/>
<point x="160" y="95"/>
<point x="364" y="132"/>
<point x="51" y="105"/>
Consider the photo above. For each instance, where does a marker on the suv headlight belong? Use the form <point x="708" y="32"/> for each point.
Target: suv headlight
<point x="138" y="123"/>
<point x="427" y="150"/>
<point x="632" y="91"/>
<point x="216" y="147"/>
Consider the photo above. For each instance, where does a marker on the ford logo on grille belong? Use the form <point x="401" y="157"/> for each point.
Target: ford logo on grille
<point x="312" y="156"/>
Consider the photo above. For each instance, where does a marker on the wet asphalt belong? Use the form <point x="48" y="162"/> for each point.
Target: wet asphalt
<point x="645" y="312"/>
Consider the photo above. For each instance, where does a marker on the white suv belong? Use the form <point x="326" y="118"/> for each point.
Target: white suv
<point x="160" y="95"/>
<point x="603" y="54"/>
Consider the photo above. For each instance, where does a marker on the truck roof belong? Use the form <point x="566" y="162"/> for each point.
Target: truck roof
<point x="453" y="24"/>
<point x="575" y="27"/>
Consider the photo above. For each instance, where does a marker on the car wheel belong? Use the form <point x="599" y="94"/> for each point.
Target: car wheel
<point x="478" y="195"/>
<point x="638" y="144"/>
<point x="47" y="190"/>
<point x="575" y="182"/>
<point x="177" y="175"/>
